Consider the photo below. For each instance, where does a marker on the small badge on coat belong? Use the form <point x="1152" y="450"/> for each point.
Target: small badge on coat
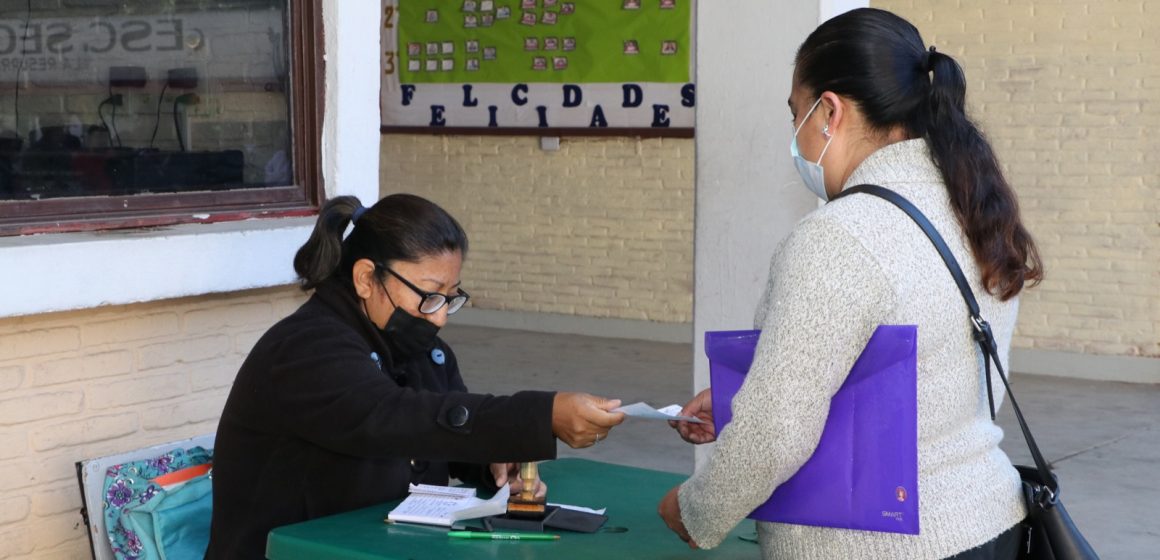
<point x="437" y="356"/>
<point x="377" y="359"/>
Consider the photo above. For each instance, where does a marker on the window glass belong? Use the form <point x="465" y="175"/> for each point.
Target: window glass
<point x="133" y="97"/>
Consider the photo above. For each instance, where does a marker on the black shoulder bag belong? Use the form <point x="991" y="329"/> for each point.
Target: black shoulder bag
<point x="1050" y="532"/>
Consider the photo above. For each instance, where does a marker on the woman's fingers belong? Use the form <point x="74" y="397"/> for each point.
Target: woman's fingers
<point x="580" y="419"/>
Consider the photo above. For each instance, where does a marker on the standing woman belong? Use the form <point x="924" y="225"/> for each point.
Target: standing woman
<point x="871" y="104"/>
<point x="344" y="403"/>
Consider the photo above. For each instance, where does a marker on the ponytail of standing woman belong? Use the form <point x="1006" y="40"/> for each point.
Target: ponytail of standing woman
<point x="354" y="396"/>
<point x="872" y="104"/>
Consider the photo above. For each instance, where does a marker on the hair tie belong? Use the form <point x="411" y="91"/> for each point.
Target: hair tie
<point x="928" y="60"/>
<point x="358" y="212"/>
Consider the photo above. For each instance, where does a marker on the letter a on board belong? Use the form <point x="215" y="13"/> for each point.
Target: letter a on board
<point x="598" y="120"/>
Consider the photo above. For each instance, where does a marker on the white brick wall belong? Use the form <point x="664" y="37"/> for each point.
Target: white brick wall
<point x="601" y="228"/>
<point x="1069" y="93"/>
<point x="90" y="383"/>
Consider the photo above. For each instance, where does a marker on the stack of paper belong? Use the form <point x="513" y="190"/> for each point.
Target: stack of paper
<point x="442" y="505"/>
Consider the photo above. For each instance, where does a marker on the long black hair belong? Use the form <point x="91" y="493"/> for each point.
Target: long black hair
<point x="878" y="60"/>
<point x="400" y="227"/>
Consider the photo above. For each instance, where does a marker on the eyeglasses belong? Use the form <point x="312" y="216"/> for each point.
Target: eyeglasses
<point x="433" y="301"/>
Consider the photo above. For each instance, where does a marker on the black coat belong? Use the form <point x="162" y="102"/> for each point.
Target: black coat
<point x="314" y="426"/>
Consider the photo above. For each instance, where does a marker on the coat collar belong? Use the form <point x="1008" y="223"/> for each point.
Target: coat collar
<point x="339" y="296"/>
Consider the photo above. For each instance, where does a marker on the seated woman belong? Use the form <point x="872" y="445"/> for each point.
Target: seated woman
<point x="351" y="398"/>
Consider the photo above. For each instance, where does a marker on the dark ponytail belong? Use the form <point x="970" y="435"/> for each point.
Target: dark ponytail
<point x="399" y="227"/>
<point x="318" y="258"/>
<point x="877" y="59"/>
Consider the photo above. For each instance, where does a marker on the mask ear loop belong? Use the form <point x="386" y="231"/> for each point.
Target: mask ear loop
<point x="382" y="285"/>
<point x="388" y="292"/>
<point x="826" y="133"/>
<point x="807" y="117"/>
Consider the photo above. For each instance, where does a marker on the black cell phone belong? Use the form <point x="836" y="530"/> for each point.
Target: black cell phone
<point x="572" y="520"/>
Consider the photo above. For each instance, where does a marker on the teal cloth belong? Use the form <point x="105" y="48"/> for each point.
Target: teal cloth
<point x="177" y="520"/>
<point x="146" y="522"/>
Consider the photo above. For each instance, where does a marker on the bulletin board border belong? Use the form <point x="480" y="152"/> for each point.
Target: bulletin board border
<point x="642" y="132"/>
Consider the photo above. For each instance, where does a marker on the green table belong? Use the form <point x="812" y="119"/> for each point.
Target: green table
<point x="630" y="494"/>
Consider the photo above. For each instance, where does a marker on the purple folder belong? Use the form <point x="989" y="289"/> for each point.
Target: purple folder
<point x="864" y="473"/>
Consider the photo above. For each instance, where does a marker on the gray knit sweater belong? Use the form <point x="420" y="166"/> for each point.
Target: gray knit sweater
<point x="848" y="267"/>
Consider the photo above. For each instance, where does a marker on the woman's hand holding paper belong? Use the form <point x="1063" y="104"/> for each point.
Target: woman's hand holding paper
<point x="701" y="406"/>
<point x="582" y="420"/>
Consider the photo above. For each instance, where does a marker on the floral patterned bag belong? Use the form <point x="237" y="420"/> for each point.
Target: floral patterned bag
<point x="146" y="521"/>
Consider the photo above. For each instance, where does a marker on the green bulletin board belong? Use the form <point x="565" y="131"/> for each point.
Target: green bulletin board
<point x="576" y="42"/>
<point x="521" y="66"/>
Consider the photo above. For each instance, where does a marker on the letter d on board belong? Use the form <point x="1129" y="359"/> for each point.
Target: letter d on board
<point x="572" y="95"/>
<point x="633" y="95"/>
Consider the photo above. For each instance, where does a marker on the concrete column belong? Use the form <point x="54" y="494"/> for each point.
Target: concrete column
<point x="350" y="123"/>
<point x="748" y="194"/>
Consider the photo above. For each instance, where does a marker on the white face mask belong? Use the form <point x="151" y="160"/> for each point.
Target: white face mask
<point x="812" y="173"/>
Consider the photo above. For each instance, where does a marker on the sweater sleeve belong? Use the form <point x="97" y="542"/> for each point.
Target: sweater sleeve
<point x="826" y="296"/>
<point x="328" y="391"/>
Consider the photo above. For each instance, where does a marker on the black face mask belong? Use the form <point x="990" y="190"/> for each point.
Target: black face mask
<point x="408" y="335"/>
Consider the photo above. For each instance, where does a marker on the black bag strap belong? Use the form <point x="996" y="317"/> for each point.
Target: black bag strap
<point x="982" y="330"/>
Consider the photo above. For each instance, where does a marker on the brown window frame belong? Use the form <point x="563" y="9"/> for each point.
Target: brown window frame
<point x="58" y="215"/>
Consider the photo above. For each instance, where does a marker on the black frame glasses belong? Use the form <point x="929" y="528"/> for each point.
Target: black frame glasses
<point x="432" y="302"/>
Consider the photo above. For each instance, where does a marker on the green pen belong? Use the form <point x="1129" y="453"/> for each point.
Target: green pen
<point x="502" y="536"/>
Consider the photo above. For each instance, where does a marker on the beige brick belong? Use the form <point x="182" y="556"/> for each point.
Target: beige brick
<point x="14" y="541"/>
<point x="11" y="377"/>
<point x="140" y="389"/>
<point x="215" y="375"/>
<point x="58" y="499"/>
<point x="183" y="351"/>
<point x="32" y="472"/>
<point x="13" y="509"/>
<point x="39" y="406"/>
<point x="13" y="443"/>
<point x="130" y="329"/>
<point x="88" y="366"/>
<point x="86" y="430"/>
<point x="185" y="412"/>
<point x="57" y="530"/>
<point x="218" y="318"/>
<point x="38" y="343"/>
<point x="245" y="341"/>
<point x="70" y="550"/>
